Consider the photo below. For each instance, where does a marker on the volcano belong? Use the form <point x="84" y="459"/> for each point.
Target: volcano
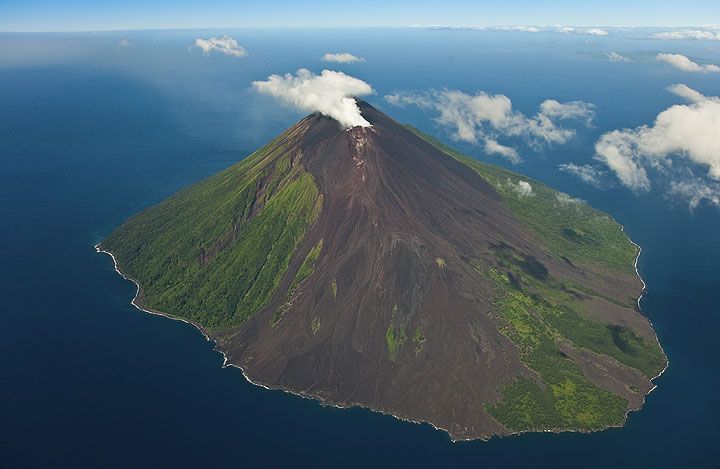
<point x="377" y="267"/>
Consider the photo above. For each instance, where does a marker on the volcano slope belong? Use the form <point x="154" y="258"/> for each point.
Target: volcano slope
<point x="377" y="267"/>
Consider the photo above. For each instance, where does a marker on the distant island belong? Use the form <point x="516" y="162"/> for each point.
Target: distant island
<point x="377" y="267"/>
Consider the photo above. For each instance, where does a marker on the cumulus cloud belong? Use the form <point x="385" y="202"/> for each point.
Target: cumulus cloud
<point x="492" y="147"/>
<point x="682" y="135"/>
<point x="687" y="34"/>
<point x="570" y="110"/>
<point x="681" y="62"/>
<point x="694" y="192"/>
<point x="523" y="29"/>
<point x="329" y="93"/>
<point x="344" y="58"/>
<point x="615" y="57"/>
<point x="564" y="200"/>
<point x="475" y="27"/>
<point x="586" y="173"/>
<point x="223" y="44"/>
<point x="482" y="118"/>
<point x="521" y="188"/>
<point x="686" y="93"/>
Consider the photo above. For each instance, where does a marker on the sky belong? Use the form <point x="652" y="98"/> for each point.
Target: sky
<point x="93" y="15"/>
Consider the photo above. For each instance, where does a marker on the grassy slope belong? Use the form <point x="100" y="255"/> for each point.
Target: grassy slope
<point x="539" y="310"/>
<point x="247" y="219"/>
<point x="571" y="227"/>
<point x="568" y="399"/>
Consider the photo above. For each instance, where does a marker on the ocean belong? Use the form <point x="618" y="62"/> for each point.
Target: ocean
<point x="92" y="131"/>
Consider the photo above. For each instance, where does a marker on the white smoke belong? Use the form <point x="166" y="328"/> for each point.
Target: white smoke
<point x="329" y="93"/>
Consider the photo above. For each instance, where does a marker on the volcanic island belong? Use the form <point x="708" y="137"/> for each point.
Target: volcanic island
<point x="375" y="266"/>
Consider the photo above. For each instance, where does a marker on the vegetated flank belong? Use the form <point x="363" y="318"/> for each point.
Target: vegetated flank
<point x="419" y="340"/>
<point x="305" y="270"/>
<point x="564" y="398"/>
<point x="570" y="226"/>
<point x="395" y="335"/>
<point x="215" y="252"/>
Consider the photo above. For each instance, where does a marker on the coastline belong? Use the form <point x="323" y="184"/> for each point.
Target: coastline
<point x="227" y="364"/>
<point x="137" y="294"/>
<point x="642" y="293"/>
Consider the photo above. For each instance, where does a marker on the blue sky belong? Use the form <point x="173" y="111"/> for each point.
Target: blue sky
<point x="84" y="15"/>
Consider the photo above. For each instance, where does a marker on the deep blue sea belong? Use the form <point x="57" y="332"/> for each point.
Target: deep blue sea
<point x="92" y="132"/>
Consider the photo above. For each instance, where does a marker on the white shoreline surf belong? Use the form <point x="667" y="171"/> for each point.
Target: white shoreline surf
<point x="657" y="339"/>
<point x="137" y="293"/>
<point x="225" y="364"/>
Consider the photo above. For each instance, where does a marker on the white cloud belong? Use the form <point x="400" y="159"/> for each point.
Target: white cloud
<point x="492" y="147"/>
<point x="329" y="93"/>
<point x="344" y="58"/>
<point x="481" y="117"/>
<point x="565" y="200"/>
<point x="681" y="62"/>
<point x="592" y="31"/>
<point x="686" y="92"/>
<point x="522" y="188"/>
<point x="687" y="34"/>
<point x="615" y="57"/>
<point x="681" y="134"/>
<point x="570" y="110"/>
<point x="575" y="30"/>
<point x="586" y="173"/>
<point x="695" y="191"/>
<point x="125" y="42"/>
<point x="522" y="29"/>
<point x="595" y="32"/>
<point x="475" y="27"/>
<point x="223" y="44"/>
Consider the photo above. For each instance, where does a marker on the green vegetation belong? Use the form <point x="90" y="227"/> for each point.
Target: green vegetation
<point x="304" y="272"/>
<point x="315" y="325"/>
<point x="634" y="388"/>
<point x="440" y="262"/>
<point x="334" y="288"/>
<point x="540" y="310"/>
<point x="566" y="399"/>
<point x="589" y="291"/>
<point x="557" y="303"/>
<point x="395" y="336"/>
<point x="306" y="269"/>
<point x="419" y="340"/>
<point x="571" y="228"/>
<point x="215" y="252"/>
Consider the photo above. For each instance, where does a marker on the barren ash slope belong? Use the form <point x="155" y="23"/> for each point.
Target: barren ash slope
<point x="377" y="267"/>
